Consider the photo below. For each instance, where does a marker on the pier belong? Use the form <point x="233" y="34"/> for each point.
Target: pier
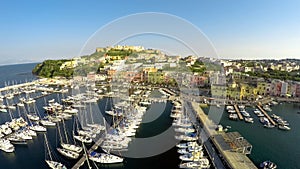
<point x="267" y="115"/>
<point x="238" y="112"/>
<point x="234" y="159"/>
<point x="16" y="86"/>
<point x="81" y="161"/>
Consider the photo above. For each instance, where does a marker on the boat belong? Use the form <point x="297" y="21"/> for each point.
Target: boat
<point x="70" y="110"/>
<point x="66" y="145"/>
<point x="269" y="125"/>
<point x="264" y="120"/>
<point x="182" y="145"/>
<point x="267" y="108"/>
<point x="233" y="116"/>
<point x="245" y="114"/>
<point x="284" y="127"/>
<point x="68" y="153"/>
<point x="182" y="151"/>
<point x="50" y="162"/>
<point x="37" y="128"/>
<point x="3" y="110"/>
<point x="6" y="146"/>
<point x="71" y="147"/>
<point x="83" y="139"/>
<point x="46" y="122"/>
<point x="249" y="120"/>
<point x="14" y="139"/>
<point x="104" y="158"/>
<point x="268" y="165"/>
<point x="203" y="163"/>
<point x="195" y="156"/>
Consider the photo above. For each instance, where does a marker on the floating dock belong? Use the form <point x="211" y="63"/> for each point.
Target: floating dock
<point x="267" y="115"/>
<point x="238" y="112"/>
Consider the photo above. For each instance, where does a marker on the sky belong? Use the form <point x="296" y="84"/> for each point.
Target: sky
<point x="35" y="30"/>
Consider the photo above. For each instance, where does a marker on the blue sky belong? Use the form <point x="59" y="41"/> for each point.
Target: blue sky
<point x="35" y="30"/>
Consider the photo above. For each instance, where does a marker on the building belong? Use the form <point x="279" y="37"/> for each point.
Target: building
<point x="284" y="89"/>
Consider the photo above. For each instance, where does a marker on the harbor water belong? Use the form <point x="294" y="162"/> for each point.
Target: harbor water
<point x="279" y="146"/>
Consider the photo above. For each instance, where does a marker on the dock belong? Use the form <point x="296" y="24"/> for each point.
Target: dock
<point x="267" y="115"/>
<point x="81" y="161"/>
<point x="232" y="156"/>
<point x="238" y="112"/>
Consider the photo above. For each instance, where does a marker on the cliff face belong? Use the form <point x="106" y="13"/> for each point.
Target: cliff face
<point x="51" y="68"/>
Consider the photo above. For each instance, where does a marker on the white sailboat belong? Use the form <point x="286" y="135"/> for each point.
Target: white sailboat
<point x="68" y="153"/>
<point x="51" y="163"/>
<point x="66" y="145"/>
<point x="81" y="138"/>
<point x="6" y="146"/>
<point x="104" y="158"/>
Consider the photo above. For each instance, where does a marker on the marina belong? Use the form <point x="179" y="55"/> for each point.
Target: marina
<point x="238" y="112"/>
<point x="266" y="115"/>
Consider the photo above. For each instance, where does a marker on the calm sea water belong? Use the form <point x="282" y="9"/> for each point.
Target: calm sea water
<point x="281" y="147"/>
<point x="15" y="74"/>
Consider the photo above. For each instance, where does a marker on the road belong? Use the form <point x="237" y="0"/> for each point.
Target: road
<point x="205" y="137"/>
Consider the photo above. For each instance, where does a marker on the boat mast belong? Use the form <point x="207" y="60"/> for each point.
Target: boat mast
<point x="60" y="137"/>
<point x="65" y="131"/>
<point x="48" y="149"/>
<point x="87" y="159"/>
<point x="91" y="113"/>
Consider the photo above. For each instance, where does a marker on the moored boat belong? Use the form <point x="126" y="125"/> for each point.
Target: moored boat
<point x="105" y="158"/>
<point x="268" y="165"/>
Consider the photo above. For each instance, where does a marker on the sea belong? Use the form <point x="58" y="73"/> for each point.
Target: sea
<point x="281" y="147"/>
<point x="278" y="146"/>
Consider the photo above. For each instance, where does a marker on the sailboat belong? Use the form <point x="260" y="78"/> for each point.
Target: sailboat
<point x="33" y="116"/>
<point x="51" y="163"/>
<point x="66" y="145"/>
<point x="81" y="138"/>
<point x="93" y="127"/>
<point x="6" y="146"/>
<point x="35" y="126"/>
<point x="105" y="158"/>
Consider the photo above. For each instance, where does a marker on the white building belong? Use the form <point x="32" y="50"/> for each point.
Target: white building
<point x="284" y="88"/>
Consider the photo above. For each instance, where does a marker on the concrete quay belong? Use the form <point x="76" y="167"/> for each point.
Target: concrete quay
<point x="235" y="160"/>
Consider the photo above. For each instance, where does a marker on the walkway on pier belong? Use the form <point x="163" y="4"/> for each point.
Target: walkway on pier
<point x="81" y="161"/>
<point x="238" y="112"/>
<point x="17" y="86"/>
<point x="234" y="159"/>
<point x="267" y="115"/>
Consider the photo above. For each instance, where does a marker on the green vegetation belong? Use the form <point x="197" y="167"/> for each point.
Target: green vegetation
<point x="198" y="67"/>
<point x="51" y="68"/>
<point x="118" y="52"/>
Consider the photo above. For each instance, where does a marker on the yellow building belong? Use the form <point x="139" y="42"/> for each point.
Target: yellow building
<point x="233" y="93"/>
<point x="246" y="92"/>
<point x="260" y="89"/>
